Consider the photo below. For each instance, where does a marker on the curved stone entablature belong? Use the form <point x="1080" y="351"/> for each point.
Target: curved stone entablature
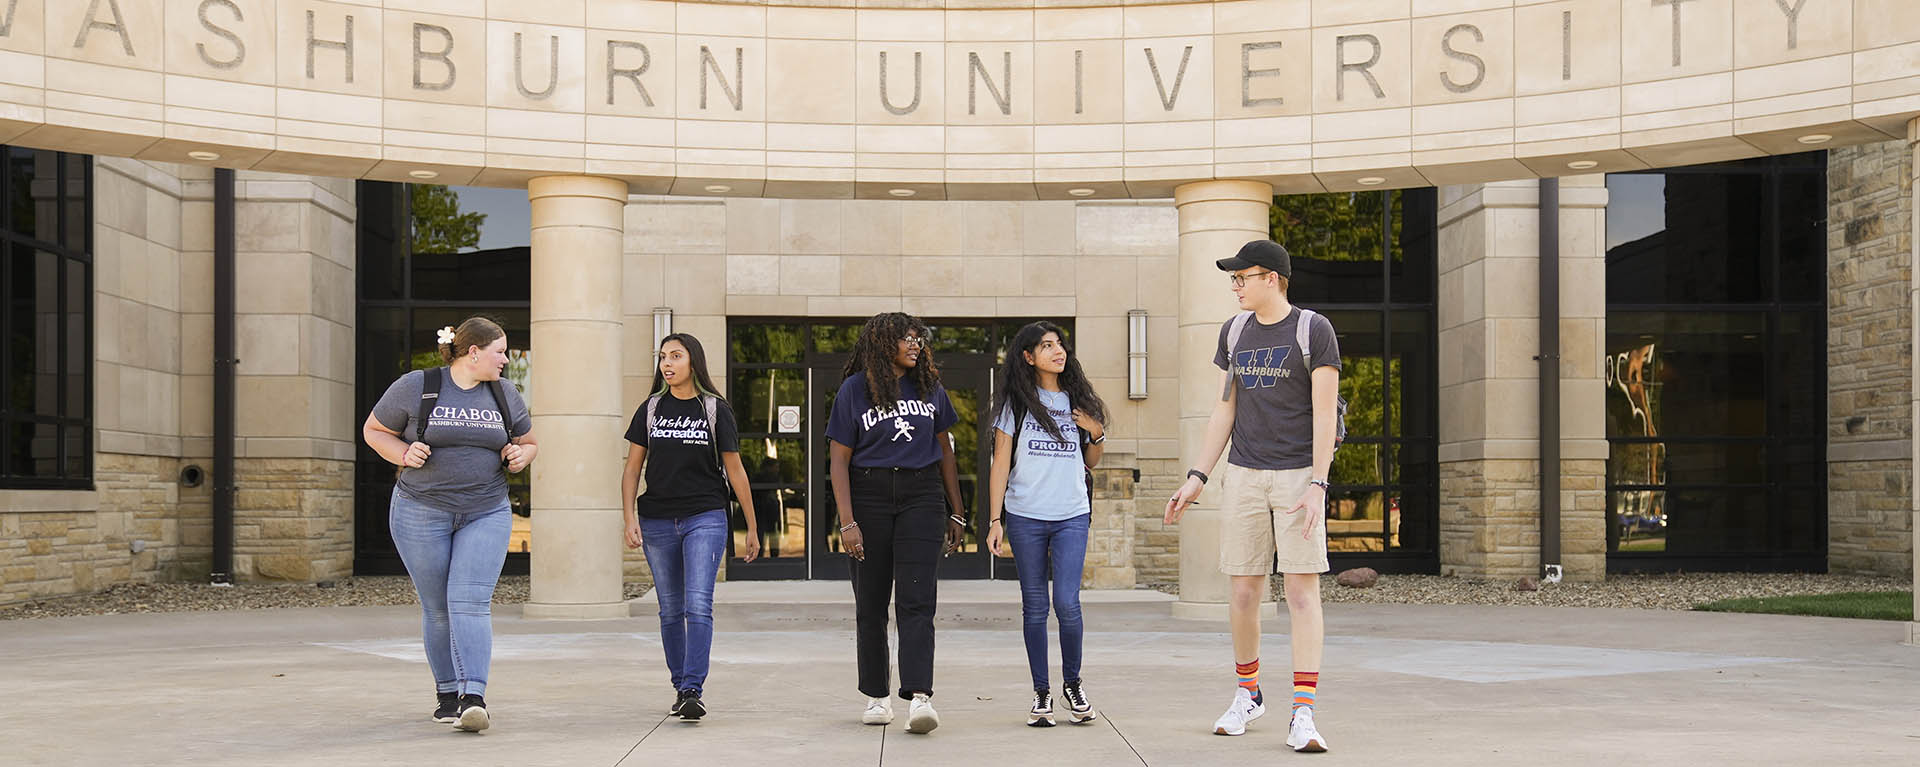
<point x="997" y="99"/>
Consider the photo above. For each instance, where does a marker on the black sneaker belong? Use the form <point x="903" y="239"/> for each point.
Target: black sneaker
<point x="448" y="711"/>
<point x="679" y="699"/>
<point x="1079" y="711"/>
<point x="473" y="714"/>
<point x="1041" y="715"/>
<point x="689" y="706"/>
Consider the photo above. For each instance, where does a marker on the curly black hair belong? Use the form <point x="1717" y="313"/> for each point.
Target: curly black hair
<point x="1020" y="383"/>
<point x="873" y="355"/>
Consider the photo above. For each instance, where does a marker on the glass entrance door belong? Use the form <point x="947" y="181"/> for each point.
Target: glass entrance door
<point x="967" y="381"/>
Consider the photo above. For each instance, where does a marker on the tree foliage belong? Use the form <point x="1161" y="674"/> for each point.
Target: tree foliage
<point x="439" y="226"/>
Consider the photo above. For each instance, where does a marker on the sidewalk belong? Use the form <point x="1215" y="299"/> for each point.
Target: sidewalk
<point x="1402" y="684"/>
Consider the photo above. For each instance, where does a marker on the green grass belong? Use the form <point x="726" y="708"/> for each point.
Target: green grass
<point x="1875" y="605"/>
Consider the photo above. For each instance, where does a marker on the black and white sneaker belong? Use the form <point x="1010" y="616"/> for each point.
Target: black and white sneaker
<point x="448" y="711"/>
<point x="473" y="714"/>
<point x="1079" y="711"/>
<point x="1041" y="715"/>
<point x="679" y="699"/>
<point x="689" y="705"/>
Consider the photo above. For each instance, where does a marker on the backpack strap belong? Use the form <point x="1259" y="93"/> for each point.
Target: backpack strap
<point x="1303" y="335"/>
<point x="1234" y="328"/>
<point x="429" y="396"/>
<point x="500" y="403"/>
<point x="653" y="402"/>
<point x="712" y="406"/>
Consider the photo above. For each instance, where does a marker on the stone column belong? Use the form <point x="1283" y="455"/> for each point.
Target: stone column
<point x="1216" y="218"/>
<point x="1489" y="379"/>
<point x="1913" y="143"/>
<point x="576" y="342"/>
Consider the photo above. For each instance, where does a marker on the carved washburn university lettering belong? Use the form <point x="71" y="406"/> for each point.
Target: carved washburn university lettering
<point x="223" y="44"/>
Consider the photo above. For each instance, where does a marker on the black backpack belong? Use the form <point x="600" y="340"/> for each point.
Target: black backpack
<point x="430" y="393"/>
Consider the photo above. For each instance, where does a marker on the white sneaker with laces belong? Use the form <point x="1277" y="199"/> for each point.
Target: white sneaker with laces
<point x="1239" y="713"/>
<point x="1302" y="736"/>
<point x="879" y="711"/>
<point x="921" y="718"/>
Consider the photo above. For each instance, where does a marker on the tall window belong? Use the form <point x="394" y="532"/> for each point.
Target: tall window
<point x="1367" y="261"/>
<point x="1716" y="372"/>
<point x="432" y="256"/>
<point x="46" y="330"/>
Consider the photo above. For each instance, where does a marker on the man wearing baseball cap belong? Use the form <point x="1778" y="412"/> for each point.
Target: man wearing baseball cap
<point x="1280" y="386"/>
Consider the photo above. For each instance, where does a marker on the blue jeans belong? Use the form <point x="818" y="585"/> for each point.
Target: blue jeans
<point x="684" y="555"/>
<point x="1045" y="550"/>
<point x="454" y="558"/>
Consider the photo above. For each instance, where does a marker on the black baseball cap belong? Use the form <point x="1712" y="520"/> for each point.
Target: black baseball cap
<point x="1266" y="253"/>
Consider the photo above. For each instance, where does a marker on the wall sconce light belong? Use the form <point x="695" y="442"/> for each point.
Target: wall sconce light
<point x="662" y="325"/>
<point x="1137" y="354"/>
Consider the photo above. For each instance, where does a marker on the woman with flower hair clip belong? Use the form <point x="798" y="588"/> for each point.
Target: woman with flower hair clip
<point x="455" y="432"/>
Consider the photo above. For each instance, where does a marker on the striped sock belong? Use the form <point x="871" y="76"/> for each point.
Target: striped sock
<point x="1305" y="685"/>
<point x="1249" y="674"/>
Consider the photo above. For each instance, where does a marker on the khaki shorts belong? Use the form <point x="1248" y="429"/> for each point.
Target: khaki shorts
<point x="1257" y="535"/>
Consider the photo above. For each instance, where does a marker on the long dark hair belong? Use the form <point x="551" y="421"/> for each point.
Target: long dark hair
<point x="1020" y="381"/>
<point x="873" y="355"/>
<point x="696" y="359"/>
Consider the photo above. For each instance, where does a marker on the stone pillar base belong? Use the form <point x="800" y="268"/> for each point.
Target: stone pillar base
<point x="1216" y="612"/>
<point x="595" y="611"/>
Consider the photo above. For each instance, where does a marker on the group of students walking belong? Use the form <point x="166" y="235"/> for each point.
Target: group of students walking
<point x="456" y="432"/>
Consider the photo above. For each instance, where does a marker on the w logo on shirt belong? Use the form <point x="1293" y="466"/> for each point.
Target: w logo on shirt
<point x="1262" y="368"/>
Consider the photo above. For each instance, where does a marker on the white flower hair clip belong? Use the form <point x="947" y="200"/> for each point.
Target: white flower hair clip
<point x="446" y="335"/>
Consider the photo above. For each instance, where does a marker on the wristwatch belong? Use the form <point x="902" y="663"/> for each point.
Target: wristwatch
<point x="1321" y="482"/>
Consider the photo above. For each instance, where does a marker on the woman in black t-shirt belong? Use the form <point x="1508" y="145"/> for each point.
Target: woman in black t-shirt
<point x="893" y="471"/>
<point x="690" y="436"/>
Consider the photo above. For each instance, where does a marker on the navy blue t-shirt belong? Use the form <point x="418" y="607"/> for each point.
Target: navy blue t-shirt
<point x="898" y="437"/>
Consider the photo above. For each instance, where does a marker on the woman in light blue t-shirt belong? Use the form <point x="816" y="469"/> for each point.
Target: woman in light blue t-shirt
<point x="1049" y="426"/>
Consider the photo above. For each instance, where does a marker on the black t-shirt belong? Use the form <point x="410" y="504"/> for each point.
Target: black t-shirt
<point x="683" y="475"/>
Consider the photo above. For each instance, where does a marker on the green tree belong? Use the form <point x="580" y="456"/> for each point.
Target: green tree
<point x="1337" y="226"/>
<point x="439" y="226"/>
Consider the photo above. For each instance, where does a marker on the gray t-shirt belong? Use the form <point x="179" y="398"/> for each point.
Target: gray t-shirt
<point x="466" y="433"/>
<point x="1273" y="417"/>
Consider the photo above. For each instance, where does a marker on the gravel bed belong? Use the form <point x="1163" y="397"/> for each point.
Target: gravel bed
<point x="1680" y="591"/>
<point x="365" y="591"/>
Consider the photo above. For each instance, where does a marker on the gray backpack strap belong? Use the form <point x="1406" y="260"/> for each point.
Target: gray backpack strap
<point x="1234" y="329"/>
<point x="712" y="406"/>
<point x="652" y="402"/>
<point x="1303" y="334"/>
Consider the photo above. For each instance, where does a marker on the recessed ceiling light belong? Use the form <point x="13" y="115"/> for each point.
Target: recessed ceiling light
<point x="1582" y="164"/>
<point x="1080" y="192"/>
<point x="204" y="155"/>
<point x="424" y="174"/>
<point x="719" y="188"/>
<point x="900" y="192"/>
<point x="1370" y="180"/>
<point x="1816" y="138"/>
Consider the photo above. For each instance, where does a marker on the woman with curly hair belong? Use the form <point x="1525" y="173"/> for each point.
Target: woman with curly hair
<point x="893" y="471"/>
<point x="1049" y="426"/>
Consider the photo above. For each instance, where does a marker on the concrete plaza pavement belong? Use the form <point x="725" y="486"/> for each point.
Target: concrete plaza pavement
<point x="1413" y="684"/>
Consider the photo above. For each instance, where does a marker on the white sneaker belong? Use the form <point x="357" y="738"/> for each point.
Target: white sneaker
<point x="921" y="718"/>
<point x="1302" y="736"/>
<point x="879" y="711"/>
<point x="1242" y="711"/>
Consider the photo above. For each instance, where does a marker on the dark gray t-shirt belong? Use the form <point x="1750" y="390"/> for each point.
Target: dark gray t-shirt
<point x="466" y="432"/>
<point x="1273" y="417"/>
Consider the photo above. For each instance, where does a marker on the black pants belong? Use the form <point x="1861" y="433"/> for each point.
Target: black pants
<point x="903" y="523"/>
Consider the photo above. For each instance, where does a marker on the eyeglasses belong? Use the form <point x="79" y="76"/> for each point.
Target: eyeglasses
<point x="1241" y="279"/>
<point x="914" y="341"/>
